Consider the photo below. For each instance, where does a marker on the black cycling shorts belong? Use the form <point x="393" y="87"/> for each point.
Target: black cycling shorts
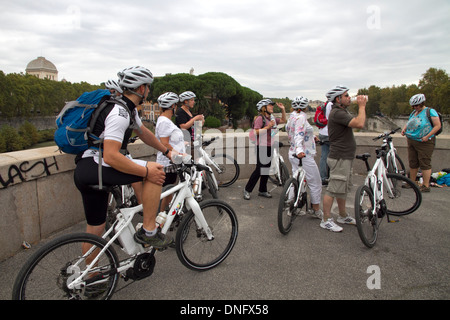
<point x="95" y="202"/>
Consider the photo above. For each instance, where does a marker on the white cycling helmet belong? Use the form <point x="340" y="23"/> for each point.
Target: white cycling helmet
<point x="113" y="85"/>
<point x="299" y="103"/>
<point x="336" y="92"/>
<point x="187" y="95"/>
<point x="263" y="103"/>
<point x="417" y="99"/>
<point x="132" y="78"/>
<point x="167" y="100"/>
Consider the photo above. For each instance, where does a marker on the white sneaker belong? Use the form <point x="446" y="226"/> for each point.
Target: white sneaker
<point x="330" y="225"/>
<point x="346" y="220"/>
<point x="316" y="214"/>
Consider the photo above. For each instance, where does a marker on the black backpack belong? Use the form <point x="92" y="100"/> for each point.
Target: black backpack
<point x="440" y="119"/>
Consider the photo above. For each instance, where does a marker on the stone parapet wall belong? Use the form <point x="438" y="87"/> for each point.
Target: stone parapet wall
<point x="38" y="196"/>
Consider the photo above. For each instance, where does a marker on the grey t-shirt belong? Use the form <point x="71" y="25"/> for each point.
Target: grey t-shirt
<point x="342" y="140"/>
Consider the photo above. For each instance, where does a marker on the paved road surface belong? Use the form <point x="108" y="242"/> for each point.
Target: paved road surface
<point x="412" y="257"/>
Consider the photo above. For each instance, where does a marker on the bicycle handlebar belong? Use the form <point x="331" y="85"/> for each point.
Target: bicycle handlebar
<point x="182" y="163"/>
<point x="207" y="143"/>
<point x="386" y="134"/>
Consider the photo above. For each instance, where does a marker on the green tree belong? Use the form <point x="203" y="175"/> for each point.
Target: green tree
<point x="12" y="140"/>
<point x="29" y="134"/>
<point x="434" y="84"/>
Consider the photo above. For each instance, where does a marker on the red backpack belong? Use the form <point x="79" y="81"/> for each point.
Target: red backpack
<point x="320" y="119"/>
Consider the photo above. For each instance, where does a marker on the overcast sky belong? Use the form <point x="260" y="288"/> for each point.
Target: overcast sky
<point x="280" y="48"/>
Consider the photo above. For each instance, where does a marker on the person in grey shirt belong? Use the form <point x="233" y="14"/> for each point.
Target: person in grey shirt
<point x="341" y="155"/>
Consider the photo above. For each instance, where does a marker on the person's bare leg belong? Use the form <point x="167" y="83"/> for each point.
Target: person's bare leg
<point x="150" y="199"/>
<point x="137" y="187"/>
<point x="426" y="174"/>
<point x="341" y="205"/>
<point x="327" y="204"/>
<point x="98" y="231"/>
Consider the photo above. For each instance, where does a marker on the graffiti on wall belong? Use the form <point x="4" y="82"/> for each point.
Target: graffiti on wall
<point x="27" y="171"/>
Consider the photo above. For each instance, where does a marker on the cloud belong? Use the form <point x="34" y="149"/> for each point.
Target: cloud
<point x="278" y="48"/>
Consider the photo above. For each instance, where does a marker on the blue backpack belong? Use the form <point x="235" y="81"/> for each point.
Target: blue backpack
<point x="77" y="119"/>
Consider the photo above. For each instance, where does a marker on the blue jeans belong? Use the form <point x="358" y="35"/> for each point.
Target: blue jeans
<point x="323" y="166"/>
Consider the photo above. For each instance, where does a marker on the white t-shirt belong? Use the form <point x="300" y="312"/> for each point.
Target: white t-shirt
<point x="166" y="128"/>
<point x="324" y="131"/>
<point x="116" y="123"/>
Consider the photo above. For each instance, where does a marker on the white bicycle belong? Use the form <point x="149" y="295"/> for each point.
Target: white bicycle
<point x="279" y="172"/>
<point x="205" y="237"/>
<point x="382" y="195"/>
<point x="223" y="170"/>
<point x="392" y="160"/>
<point x="293" y="200"/>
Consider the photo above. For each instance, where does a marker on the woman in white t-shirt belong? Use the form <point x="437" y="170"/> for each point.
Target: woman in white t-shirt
<point x="303" y="145"/>
<point x="170" y="136"/>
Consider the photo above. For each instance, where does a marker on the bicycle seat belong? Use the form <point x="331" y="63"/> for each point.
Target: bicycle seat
<point x="363" y="157"/>
<point x="299" y="160"/>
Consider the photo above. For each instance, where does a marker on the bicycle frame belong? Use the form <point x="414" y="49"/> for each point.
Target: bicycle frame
<point x="205" y="159"/>
<point x="124" y="223"/>
<point x="276" y="158"/>
<point x="300" y="175"/>
<point x="376" y="179"/>
<point x="391" y="150"/>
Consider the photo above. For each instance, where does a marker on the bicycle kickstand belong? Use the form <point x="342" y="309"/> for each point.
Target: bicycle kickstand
<point x="391" y="221"/>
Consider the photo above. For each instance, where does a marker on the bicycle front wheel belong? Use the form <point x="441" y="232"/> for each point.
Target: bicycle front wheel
<point x="404" y="196"/>
<point x="366" y="218"/>
<point x="286" y="206"/>
<point x="228" y="171"/>
<point x="194" y="249"/>
<point x="45" y="276"/>
<point x="396" y="165"/>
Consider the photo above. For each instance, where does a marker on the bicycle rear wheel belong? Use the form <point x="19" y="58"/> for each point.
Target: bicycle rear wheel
<point x="404" y="197"/>
<point x="286" y="206"/>
<point x="366" y="221"/>
<point x="229" y="170"/>
<point x="47" y="272"/>
<point x="194" y="249"/>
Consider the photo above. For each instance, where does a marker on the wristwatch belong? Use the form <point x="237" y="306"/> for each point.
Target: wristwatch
<point x="167" y="151"/>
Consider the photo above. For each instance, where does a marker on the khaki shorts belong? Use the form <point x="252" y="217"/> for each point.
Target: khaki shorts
<point x="419" y="153"/>
<point x="340" y="177"/>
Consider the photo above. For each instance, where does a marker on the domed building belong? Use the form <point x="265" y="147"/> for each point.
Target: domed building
<point x="42" y="68"/>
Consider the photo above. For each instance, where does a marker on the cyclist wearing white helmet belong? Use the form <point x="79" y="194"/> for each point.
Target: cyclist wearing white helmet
<point x="420" y="133"/>
<point x="170" y="136"/>
<point x="263" y="125"/>
<point x="303" y="145"/>
<point x="113" y="87"/>
<point x="342" y="153"/>
<point x="184" y="118"/>
<point x="116" y="126"/>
